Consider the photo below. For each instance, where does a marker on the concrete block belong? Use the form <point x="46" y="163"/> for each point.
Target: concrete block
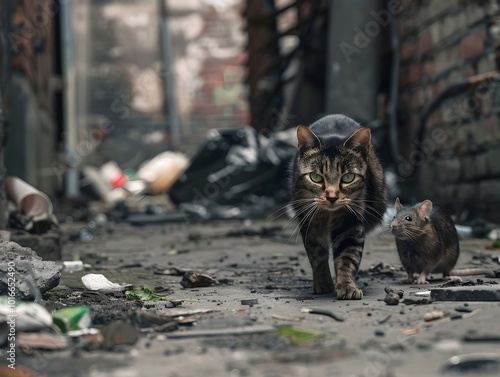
<point x="473" y="293"/>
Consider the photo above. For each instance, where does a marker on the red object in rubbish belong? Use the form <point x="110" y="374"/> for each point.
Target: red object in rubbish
<point x="119" y="181"/>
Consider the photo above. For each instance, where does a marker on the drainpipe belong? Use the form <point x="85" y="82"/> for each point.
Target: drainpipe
<point x="72" y="188"/>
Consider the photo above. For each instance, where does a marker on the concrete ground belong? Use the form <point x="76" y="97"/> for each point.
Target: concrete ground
<point x="261" y="260"/>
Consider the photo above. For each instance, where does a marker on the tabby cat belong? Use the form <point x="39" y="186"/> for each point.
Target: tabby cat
<point x="339" y="195"/>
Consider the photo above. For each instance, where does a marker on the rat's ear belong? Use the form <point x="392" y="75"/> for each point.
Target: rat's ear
<point x="306" y="138"/>
<point x="360" y="137"/>
<point x="398" y="205"/>
<point x="424" y="209"/>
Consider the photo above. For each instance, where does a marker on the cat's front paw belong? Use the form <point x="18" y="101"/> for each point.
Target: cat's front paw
<point x="349" y="292"/>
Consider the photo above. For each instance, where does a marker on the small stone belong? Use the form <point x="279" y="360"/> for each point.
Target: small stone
<point x="416" y="301"/>
<point x="194" y="280"/>
<point x="250" y="301"/>
<point x="431" y="316"/>
<point x="463" y="309"/>
<point x="388" y="290"/>
<point x="392" y="298"/>
<point x="422" y="346"/>
<point x="379" y="333"/>
<point x="28" y="268"/>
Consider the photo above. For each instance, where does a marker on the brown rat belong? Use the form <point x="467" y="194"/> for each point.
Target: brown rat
<point x="427" y="241"/>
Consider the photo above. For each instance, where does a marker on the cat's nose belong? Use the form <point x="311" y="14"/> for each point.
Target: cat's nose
<point x="332" y="199"/>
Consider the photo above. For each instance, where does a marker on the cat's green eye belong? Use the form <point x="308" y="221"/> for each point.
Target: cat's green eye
<point x="348" y="178"/>
<point x="316" y="178"/>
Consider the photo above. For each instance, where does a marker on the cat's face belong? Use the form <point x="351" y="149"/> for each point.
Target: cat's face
<point x="332" y="182"/>
<point x="409" y="222"/>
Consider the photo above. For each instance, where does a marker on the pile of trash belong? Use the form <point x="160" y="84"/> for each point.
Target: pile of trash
<point x="110" y="184"/>
<point x="236" y="173"/>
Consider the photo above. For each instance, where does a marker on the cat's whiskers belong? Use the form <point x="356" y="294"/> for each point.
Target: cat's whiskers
<point x="315" y="211"/>
<point x="369" y="209"/>
<point x="298" y="212"/>
<point x="287" y="208"/>
<point x="353" y="210"/>
<point x="302" y="221"/>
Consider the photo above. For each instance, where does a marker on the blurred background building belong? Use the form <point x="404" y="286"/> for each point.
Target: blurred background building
<point x="92" y="80"/>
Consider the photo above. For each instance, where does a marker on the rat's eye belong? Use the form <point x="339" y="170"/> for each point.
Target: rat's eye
<point x="347" y="178"/>
<point x="408" y="218"/>
<point x="316" y="178"/>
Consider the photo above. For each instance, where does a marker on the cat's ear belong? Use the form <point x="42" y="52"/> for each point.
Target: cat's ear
<point x="424" y="209"/>
<point x="306" y="138"/>
<point x="398" y="205"/>
<point x="361" y="137"/>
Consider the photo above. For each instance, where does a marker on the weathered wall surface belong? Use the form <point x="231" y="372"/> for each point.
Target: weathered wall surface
<point x="31" y="142"/>
<point x="208" y="43"/>
<point x="455" y="159"/>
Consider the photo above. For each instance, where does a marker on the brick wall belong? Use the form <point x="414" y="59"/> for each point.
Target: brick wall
<point x="455" y="161"/>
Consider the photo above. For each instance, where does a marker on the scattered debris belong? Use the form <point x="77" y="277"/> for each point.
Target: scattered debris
<point x="298" y="335"/>
<point x="118" y="334"/>
<point x="423" y="294"/>
<point x="72" y="318"/>
<point x="145" y="319"/>
<point x="380" y="269"/>
<point x="19" y="371"/>
<point x="145" y="294"/>
<point x="245" y="163"/>
<point x="98" y="282"/>
<point x="323" y="312"/>
<point x="30" y="316"/>
<point x="448" y="346"/>
<point x="463" y="309"/>
<point x="392" y="298"/>
<point x="250" y="301"/>
<point x="480" y="293"/>
<point x="162" y="171"/>
<point x="384" y="320"/>
<point x="417" y="301"/>
<point x="431" y="316"/>
<point x="42" y="341"/>
<point x="73" y="266"/>
<point x="412" y="331"/>
<point x="494" y="234"/>
<point x="34" y="207"/>
<point x="473" y="363"/>
<point x="173" y="271"/>
<point x="82" y="332"/>
<point x="194" y="280"/>
<point x="33" y="276"/>
<point x="242" y="330"/>
<point x="289" y="319"/>
<point x="399" y="292"/>
<point x="481" y="337"/>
